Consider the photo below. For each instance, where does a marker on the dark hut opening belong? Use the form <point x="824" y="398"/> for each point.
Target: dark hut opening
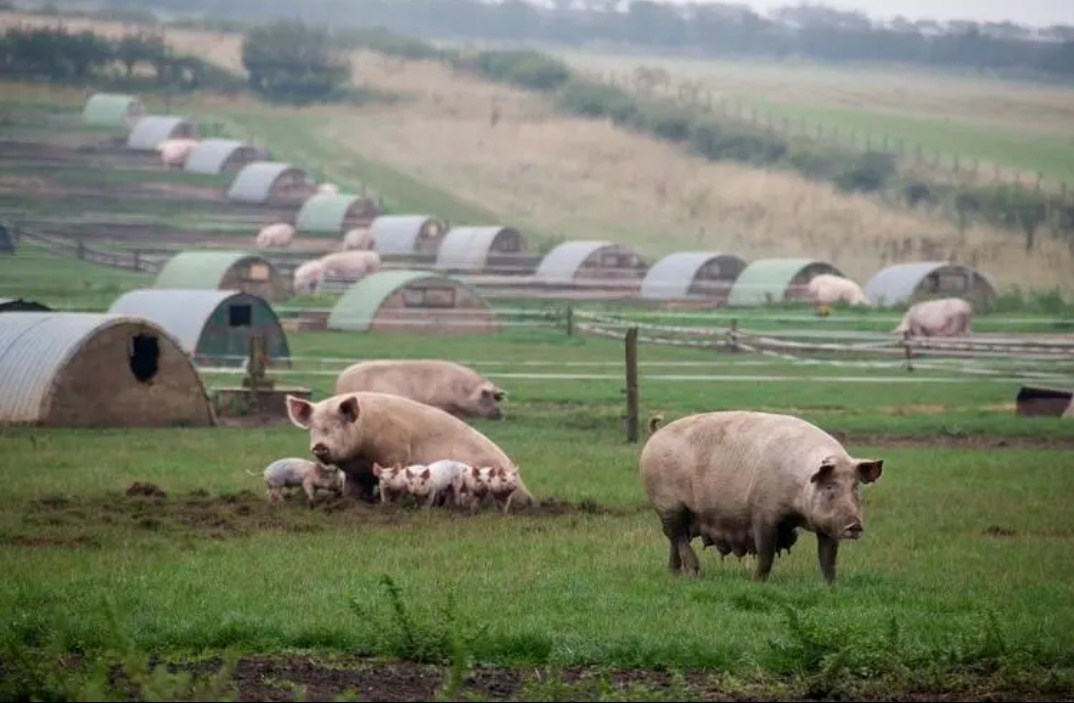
<point x="145" y="357"/>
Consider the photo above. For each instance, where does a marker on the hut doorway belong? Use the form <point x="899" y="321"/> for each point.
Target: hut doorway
<point x="144" y="357"/>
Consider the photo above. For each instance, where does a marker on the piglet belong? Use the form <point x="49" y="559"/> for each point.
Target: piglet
<point x="293" y="472"/>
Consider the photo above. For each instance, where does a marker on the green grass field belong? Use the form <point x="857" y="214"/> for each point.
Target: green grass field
<point x="1020" y="126"/>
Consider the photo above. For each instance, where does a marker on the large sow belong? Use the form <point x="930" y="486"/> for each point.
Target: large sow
<point x="745" y="481"/>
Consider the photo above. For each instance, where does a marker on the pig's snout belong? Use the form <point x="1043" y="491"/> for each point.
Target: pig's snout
<point x="320" y="450"/>
<point x="496" y="414"/>
<point x="853" y="530"/>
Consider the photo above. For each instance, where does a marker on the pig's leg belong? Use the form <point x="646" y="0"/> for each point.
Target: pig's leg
<point x="827" y="551"/>
<point x="764" y="540"/>
<point x="361" y="480"/>
<point x="681" y="556"/>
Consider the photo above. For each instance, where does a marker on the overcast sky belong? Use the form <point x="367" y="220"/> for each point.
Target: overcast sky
<point x="1026" y="12"/>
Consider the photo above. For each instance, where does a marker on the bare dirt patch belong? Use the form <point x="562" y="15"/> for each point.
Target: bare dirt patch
<point x="323" y="678"/>
<point x="83" y="522"/>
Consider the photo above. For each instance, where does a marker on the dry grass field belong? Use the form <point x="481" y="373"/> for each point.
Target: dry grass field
<point x="585" y="179"/>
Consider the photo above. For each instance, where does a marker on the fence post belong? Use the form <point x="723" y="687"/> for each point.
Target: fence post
<point x="632" y="385"/>
<point x="908" y="352"/>
<point x="570" y="320"/>
<point x="732" y="335"/>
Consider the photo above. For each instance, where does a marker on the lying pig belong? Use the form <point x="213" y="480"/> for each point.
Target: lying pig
<point x="293" y="472"/>
<point x="745" y="481"/>
<point x="354" y="430"/>
<point x="451" y="387"/>
<point x="278" y="234"/>
<point x="943" y="317"/>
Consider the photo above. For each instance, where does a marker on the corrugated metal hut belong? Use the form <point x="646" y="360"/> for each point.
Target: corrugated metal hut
<point x="74" y="369"/>
<point x="412" y="302"/>
<point x="326" y="213"/>
<point x="225" y="270"/>
<point x="151" y="130"/>
<point x="470" y="248"/>
<point x="112" y="110"/>
<point x="20" y="305"/>
<point x="590" y="259"/>
<point x="213" y="326"/>
<point x="222" y="156"/>
<point x="689" y="274"/>
<point x="904" y="283"/>
<point x="776" y="280"/>
<point x="1035" y="401"/>
<point x="406" y="234"/>
<point x="263" y="182"/>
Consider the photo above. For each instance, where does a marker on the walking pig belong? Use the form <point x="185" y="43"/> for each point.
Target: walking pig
<point x="354" y="430"/>
<point x="292" y="472"/>
<point x="436" y="482"/>
<point x="745" y="481"/>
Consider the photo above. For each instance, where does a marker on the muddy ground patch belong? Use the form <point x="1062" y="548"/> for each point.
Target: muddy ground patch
<point x="79" y="522"/>
<point x="345" y="677"/>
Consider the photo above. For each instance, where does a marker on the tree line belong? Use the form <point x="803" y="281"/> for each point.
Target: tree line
<point x="56" y="54"/>
<point x="718" y="30"/>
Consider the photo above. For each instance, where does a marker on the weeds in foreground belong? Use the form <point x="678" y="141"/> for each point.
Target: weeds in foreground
<point x="810" y="658"/>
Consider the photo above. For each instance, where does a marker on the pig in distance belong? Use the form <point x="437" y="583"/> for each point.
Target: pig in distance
<point x="452" y="387"/>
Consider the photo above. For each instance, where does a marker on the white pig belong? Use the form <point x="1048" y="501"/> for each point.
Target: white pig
<point x="359" y="238"/>
<point x="278" y="234"/>
<point x="746" y="481"/>
<point x="350" y="263"/>
<point x="309" y="276"/>
<point x="944" y="317"/>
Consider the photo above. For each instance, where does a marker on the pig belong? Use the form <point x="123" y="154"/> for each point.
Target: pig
<point x="745" y="481"/>
<point x="435" y="483"/>
<point x="502" y="483"/>
<point x="358" y="238"/>
<point x="447" y="385"/>
<point x="392" y="482"/>
<point x="943" y="317"/>
<point x="472" y="487"/>
<point x="354" y="430"/>
<point x="350" y="263"/>
<point x="828" y="289"/>
<point x="174" y="152"/>
<point x="309" y="276"/>
<point x="328" y="189"/>
<point x="293" y="472"/>
<point x="278" y="234"/>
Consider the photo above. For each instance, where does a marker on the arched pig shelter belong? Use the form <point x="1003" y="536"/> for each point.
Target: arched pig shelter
<point x="405" y="235"/>
<point x="151" y="130"/>
<point x="904" y="283"/>
<point x="688" y="274"/>
<point x="412" y="302"/>
<point x="225" y="270"/>
<point x="213" y="326"/>
<point x="589" y="259"/>
<point x="469" y="248"/>
<point x="776" y="280"/>
<point x="76" y="369"/>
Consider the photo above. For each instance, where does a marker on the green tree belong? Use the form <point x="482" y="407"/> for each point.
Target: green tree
<point x="291" y="62"/>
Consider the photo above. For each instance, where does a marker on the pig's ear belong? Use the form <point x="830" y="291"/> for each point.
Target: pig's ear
<point x="377" y="469"/>
<point x="476" y="472"/>
<point x="498" y="394"/>
<point x="349" y="409"/>
<point x="869" y="470"/>
<point x="825" y="471"/>
<point x="300" y="411"/>
<point x="425" y="473"/>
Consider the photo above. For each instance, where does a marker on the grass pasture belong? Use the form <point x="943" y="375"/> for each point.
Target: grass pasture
<point x="961" y="583"/>
<point x="1020" y="126"/>
<point x="960" y="587"/>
